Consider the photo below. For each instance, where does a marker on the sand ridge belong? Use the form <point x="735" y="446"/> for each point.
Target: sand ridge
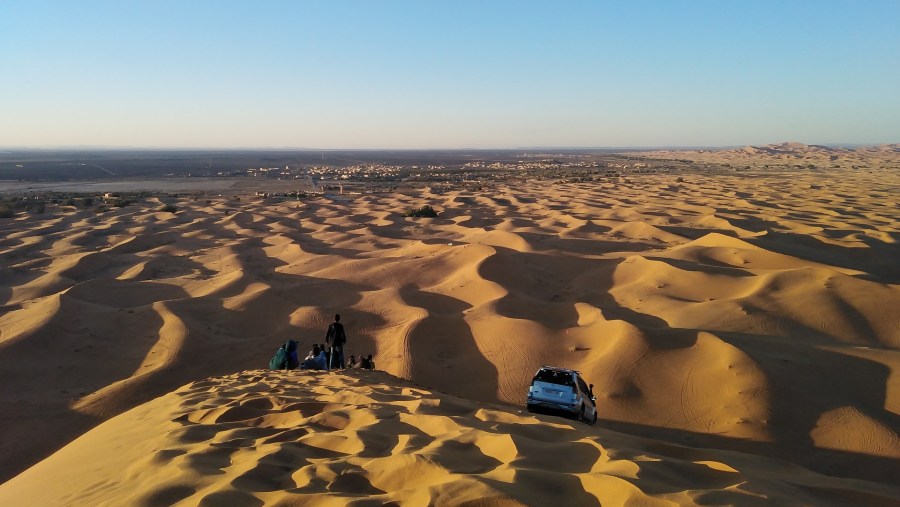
<point x="745" y="311"/>
<point x="366" y="438"/>
<point x="790" y="155"/>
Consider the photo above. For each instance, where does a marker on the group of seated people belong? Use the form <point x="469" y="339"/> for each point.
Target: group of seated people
<point x="366" y="363"/>
<point x="319" y="359"/>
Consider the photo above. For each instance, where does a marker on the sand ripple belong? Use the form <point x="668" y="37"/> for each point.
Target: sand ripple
<point x="366" y="438"/>
<point x="754" y="312"/>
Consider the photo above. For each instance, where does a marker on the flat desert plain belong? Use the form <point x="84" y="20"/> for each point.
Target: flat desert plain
<point x="741" y="330"/>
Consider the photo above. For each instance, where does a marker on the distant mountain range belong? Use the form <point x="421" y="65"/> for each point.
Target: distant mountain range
<point x="788" y="154"/>
<point x="793" y="148"/>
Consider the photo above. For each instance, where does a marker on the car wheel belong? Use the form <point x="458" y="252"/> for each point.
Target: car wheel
<point x="581" y="413"/>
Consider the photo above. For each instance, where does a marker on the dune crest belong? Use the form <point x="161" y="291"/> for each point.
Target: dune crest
<point x="362" y="437"/>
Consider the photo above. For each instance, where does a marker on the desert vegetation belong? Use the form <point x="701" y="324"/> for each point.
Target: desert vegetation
<point x="425" y="211"/>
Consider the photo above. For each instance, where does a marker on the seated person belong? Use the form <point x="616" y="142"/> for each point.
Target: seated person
<point x="352" y="362"/>
<point x="315" y="360"/>
<point x="327" y="351"/>
<point x="367" y="363"/>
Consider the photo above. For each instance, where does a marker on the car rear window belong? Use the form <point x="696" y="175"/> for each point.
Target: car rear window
<point x="555" y="377"/>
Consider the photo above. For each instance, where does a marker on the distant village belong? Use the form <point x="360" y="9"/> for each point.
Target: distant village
<point x="467" y="172"/>
<point x="373" y="178"/>
<point x="295" y="181"/>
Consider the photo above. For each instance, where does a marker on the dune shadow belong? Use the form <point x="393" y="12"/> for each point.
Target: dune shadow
<point x="442" y="345"/>
<point x="68" y="364"/>
<point x="831" y="462"/>
<point x="749" y="223"/>
<point x="306" y="239"/>
<point x="693" y="233"/>
<point x="545" y="488"/>
<point x="803" y="383"/>
<point x="582" y="246"/>
<point x="480" y="222"/>
<point x="30" y="433"/>
<point x="709" y="266"/>
<point x="166" y="495"/>
<point x="878" y="261"/>
<point x="796" y="373"/>
<point x="544" y="290"/>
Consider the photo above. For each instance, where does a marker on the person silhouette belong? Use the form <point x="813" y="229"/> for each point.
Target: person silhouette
<point x="336" y="338"/>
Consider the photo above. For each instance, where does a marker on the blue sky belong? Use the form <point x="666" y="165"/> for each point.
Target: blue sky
<point x="453" y="74"/>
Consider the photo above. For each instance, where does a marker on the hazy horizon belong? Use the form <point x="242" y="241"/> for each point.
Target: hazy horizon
<point x="462" y="148"/>
<point x="353" y="75"/>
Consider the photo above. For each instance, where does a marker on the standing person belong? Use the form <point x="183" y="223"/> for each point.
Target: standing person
<point x="336" y="338"/>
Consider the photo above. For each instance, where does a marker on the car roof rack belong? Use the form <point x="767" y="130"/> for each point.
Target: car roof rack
<point x="560" y="368"/>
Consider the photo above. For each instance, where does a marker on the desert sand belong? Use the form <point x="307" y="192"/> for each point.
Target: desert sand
<point x="741" y="331"/>
<point x="366" y="438"/>
<point x="789" y="155"/>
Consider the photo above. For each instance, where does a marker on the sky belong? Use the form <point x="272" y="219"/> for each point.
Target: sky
<point x="377" y="74"/>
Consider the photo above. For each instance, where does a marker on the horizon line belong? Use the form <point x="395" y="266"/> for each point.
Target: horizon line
<point x="495" y="148"/>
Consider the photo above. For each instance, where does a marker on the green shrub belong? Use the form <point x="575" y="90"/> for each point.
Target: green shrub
<point x="424" y="211"/>
<point x="87" y="202"/>
<point x="121" y="203"/>
<point x="6" y="212"/>
<point x="168" y="208"/>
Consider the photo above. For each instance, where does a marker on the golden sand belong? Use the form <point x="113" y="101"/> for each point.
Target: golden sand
<point x="754" y="312"/>
<point x="366" y="438"/>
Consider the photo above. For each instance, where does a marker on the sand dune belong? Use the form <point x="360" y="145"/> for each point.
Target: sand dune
<point x="755" y="313"/>
<point x="791" y="155"/>
<point x="367" y="438"/>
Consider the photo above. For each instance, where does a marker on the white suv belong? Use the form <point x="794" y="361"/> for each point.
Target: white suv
<point x="561" y="390"/>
